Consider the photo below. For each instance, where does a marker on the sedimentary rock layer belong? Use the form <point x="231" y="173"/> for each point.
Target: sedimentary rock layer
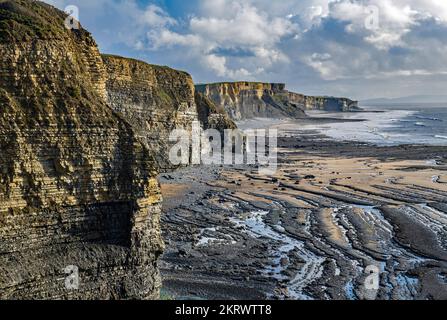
<point x="154" y="99"/>
<point x="245" y="100"/>
<point x="324" y="103"/>
<point x="77" y="187"/>
<point x="212" y="116"/>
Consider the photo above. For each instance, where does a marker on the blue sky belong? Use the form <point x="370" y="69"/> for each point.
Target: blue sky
<point x="356" y="48"/>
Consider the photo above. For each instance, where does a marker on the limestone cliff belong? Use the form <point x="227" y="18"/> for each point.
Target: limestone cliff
<point x="77" y="186"/>
<point x="212" y="116"/>
<point x="324" y="103"/>
<point x="155" y="99"/>
<point x="245" y="100"/>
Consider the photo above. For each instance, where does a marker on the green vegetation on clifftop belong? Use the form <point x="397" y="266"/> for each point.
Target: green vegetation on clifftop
<point x="24" y="20"/>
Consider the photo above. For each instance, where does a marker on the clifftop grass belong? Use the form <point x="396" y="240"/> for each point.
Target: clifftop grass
<point x="110" y="57"/>
<point x="26" y="20"/>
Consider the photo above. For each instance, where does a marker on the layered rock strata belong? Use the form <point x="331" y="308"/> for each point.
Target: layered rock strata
<point x="79" y="197"/>
<point x="324" y="103"/>
<point x="156" y="100"/>
<point x="212" y="116"/>
<point x="245" y="100"/>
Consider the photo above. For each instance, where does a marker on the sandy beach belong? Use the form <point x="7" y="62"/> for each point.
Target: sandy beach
<point x="312" y="230"/>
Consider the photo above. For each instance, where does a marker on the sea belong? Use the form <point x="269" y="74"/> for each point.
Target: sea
<point x="388" y="125"/>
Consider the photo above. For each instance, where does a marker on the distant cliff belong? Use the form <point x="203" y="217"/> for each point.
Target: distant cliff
<point x="324" y="103"/>
<point x="212" y="116"/>
<point x="245" y="100"/>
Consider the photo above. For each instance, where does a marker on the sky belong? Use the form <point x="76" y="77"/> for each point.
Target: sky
<point x="355" y="48"/>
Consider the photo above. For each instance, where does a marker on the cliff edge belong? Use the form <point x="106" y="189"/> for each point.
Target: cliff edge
<point x="324" y="103"/>
<point x="212" y="116"/>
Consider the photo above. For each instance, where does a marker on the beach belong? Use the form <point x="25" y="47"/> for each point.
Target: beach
<point x="335" y="210"/>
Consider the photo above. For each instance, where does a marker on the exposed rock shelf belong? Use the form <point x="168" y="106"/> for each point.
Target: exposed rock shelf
<point x="311" y="230"/>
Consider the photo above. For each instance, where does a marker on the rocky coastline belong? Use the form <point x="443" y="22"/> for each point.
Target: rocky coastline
<point x="92" y="208"/>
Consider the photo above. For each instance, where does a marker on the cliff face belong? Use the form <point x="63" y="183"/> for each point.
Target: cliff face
<point x="324" y="103"/>
<point x="154" y="99"/>
<point x="157" y="100"/>
<point x="77" y="187"/>
<point x="245" y="100"/>
<point x="212" y="116"/>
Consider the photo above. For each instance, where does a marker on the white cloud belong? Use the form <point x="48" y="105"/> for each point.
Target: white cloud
<point x="156" y="17"/>
<point x="231" y="26"/>
<point x="167" y="38"/>
<point x="243" y="24"/>
<point x="219" y="65"/>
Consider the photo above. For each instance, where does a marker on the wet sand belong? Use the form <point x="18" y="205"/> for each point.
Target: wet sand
<point x="311" y="230"/>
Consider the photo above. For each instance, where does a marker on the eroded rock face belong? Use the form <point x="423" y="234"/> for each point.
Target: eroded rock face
<point x="324" y="103"/>
<point x="212" y="116"/>
<point x="245" y="100"/>
<point x="77" y="186"/>
<point x="154" y="99"/>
